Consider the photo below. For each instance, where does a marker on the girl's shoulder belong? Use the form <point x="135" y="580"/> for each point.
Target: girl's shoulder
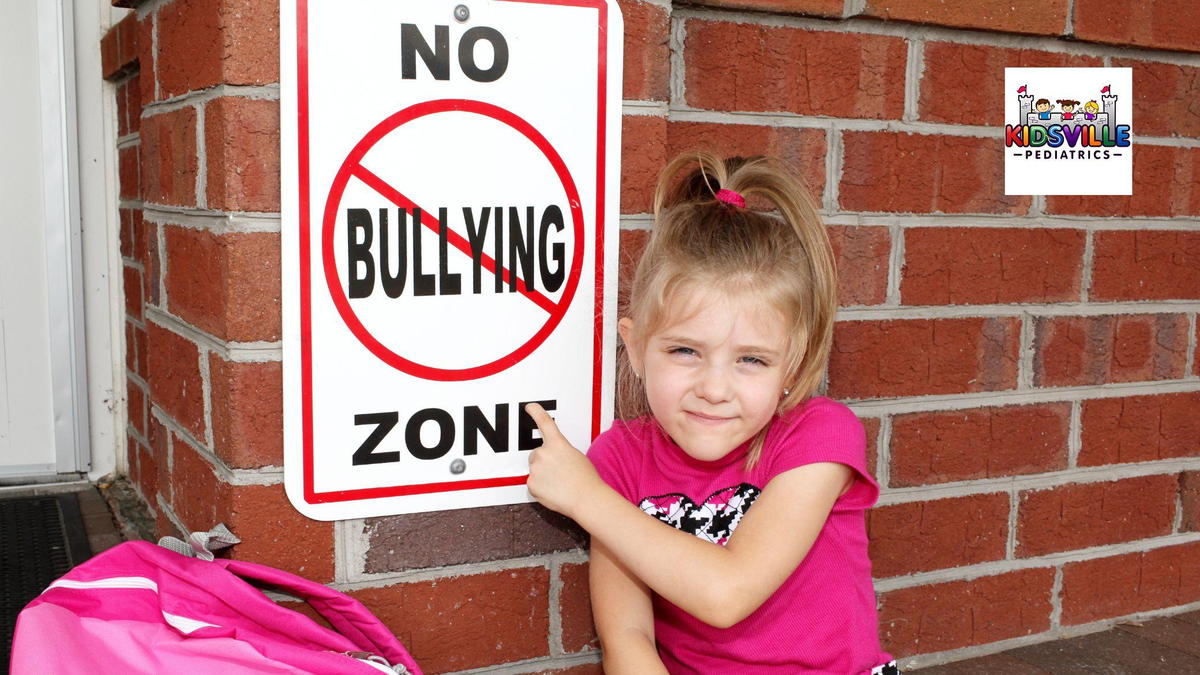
<point x="820" y="415"/>
<point x="623" y="437"/>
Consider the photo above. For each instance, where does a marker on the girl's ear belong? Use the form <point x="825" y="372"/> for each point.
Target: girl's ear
<point x="632" y="351"/>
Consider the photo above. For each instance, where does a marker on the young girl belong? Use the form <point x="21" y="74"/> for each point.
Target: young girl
<point x="728" y="332"/>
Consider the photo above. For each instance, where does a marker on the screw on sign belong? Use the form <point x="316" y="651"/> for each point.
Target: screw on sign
<point x="520" y="237"/>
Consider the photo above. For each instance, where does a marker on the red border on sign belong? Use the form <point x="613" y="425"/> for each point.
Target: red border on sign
<point x="311" y="496"/>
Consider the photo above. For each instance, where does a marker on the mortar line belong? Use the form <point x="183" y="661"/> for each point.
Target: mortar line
<point x="1010" y="544"/>
<point x="932" y="33"/>
<point x="380" y="579"/>
<point x="1044" y="481"/>
<point x="1089" y="257"/>
<point x="895" y="269"/>
<point x="1190" y="366"/>
<point x="1014" y="310"/>
<point x="1075" y="435"/>
<point x="1056" y="599"/>
<point x="238" y="352"/>
<point x="883" y="452"/>
<point x="913" y="70"/>
<point x="555" y="608"/>
<point x="998" y="567"/>
<point x="206" y="388"/>
<point x="676" y="40"/>
<point x="1026" y="361"/>
<point x="201" y="160"/>
<point x="834" y="154"/>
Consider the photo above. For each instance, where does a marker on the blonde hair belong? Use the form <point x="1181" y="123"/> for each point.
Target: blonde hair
<point x="1091" y="106"/>
<point x="784" y="258"/>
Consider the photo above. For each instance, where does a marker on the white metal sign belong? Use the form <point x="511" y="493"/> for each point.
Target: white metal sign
<point x="449" y="232"/>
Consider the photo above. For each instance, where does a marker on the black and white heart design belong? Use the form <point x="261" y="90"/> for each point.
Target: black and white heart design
<point x="714" y="520"/>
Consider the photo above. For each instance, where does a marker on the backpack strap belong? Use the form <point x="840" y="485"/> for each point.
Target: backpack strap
<point x="345" y="614"/>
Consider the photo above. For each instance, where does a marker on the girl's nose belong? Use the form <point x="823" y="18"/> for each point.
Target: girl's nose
<point x="714" y="385"/>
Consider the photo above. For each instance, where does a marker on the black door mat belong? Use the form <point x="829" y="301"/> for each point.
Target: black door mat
<point x="41" y="538"/>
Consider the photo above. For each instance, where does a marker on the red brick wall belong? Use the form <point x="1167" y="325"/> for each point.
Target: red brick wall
<point x="1025" y="365"/>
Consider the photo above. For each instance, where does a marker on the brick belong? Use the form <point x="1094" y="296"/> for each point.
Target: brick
<point x="826" y="8"/>
<point x="1093" y="514"/>
<point x="801" y="150"/>
<point x="863" y="258"/>
<point x="1161" y="24"/>
<point x="1145" y="265"/>
<point x="146" y="60"/>
<point x="737" y="66"/>
<point x="647" y="54"/>
<point x="964" y="84"/>
<point x="1140" y="428"/>
<point x="119" y="48"/>
<point x="633" y="244"/>
<point x="225" y="284"/>
<point x="132" y="288"/>
<point x="129" y="172"/>
<point x="937" y="447"/>
<point x="643" y="155"/>
<point x="1166" y="183"/>
<point x="151" y="268"/>
<point x="197" y="493"/>
<point x="136" y="405"/>
<point x="459" y="623"/>
<point x="241" y="140"/>
<point x="208" y="42"/>
<point x="952" y="532"/>
<point x="125" y="217"/>
<point x="575" y="608"/>
<point x="174" y="378"/>
<point x="154" y="465"/>
<point x="247" y="412"/>
<point x="909" y="357"/>
<point x="122" y="98"/>
<point x="133" y="104"/>
<point x="893" y="172"/>
<point x="131" y="351"/>
<point x="990" y="265"/>
<point x="871" y="426"/>
<point x="1163" y="96"/>
<point x="1036" y="17"/>
<point x="1135" y="582"/>
<point x="463" y="536"/>
<point x="274" y="533"/>
<point x="1088" y="350"/>
<point x="1189" y="501"/>
<point x="168" y="158"/>
<point x="939" y="617"/>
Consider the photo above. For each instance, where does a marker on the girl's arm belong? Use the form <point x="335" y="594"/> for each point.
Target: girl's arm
<point x="720" y="585"/>
<point x="623" y="614"/>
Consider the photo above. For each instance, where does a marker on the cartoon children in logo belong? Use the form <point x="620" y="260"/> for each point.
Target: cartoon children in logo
<point x="1043" y="109"/>
<point x="1068" y="108"/>
<point x="1090" y="109"/>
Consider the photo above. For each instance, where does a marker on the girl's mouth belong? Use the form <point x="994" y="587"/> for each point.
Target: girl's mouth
<point x="707" y="419"/>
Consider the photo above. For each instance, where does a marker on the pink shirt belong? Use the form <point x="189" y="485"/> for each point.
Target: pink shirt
<point x="823" y="618"/>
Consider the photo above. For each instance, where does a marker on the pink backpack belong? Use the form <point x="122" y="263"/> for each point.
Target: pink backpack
<point x="139" y="608"/>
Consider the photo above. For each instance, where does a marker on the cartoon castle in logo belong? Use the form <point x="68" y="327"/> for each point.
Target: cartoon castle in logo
<point x="1045" y="118"/>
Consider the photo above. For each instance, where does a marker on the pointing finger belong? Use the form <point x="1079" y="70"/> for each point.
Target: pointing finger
<point x="544" y="422"/>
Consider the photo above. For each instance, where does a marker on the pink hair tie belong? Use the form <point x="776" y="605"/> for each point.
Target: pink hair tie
<point x="732" y="198"/>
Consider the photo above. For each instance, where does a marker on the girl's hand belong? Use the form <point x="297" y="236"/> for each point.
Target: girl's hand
<point x="560" y="477"/>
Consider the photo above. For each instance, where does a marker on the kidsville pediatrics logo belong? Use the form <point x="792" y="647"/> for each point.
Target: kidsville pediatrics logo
<point x="1068" y="131"/>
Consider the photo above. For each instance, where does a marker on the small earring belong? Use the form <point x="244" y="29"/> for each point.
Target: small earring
<point x="786" y="391"/>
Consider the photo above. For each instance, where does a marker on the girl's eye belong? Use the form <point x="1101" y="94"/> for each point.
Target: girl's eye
<point x="755" y="360"/>
<point x="681" y="350"/>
